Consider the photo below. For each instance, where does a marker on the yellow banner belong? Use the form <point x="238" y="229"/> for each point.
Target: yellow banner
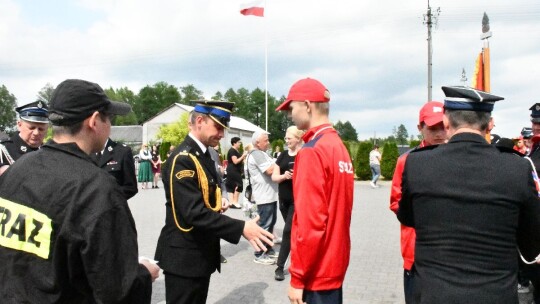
<point x="25" y="229"/>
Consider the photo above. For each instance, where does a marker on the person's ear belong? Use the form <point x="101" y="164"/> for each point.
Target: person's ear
<point x="91" y="121"/>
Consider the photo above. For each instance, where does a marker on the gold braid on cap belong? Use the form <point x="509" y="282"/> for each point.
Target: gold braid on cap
<point x="203" y="185"/>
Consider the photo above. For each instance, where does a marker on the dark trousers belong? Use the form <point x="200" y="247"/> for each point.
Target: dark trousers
<point x="408" y="284"/>
<point x="184" y="290"/>
<point x="267" y="220"/>
<point x="286" y="208"/>
<point x="533" y="271"/>
<point x="334" y="296"/>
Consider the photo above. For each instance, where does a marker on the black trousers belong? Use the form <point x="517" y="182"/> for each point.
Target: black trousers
<point x="287" y="211"/>
<point x="334" y="296"/>
<point x="408" y="285"/>
<point x="533" y="273"/>
<point x="184" y="290"/>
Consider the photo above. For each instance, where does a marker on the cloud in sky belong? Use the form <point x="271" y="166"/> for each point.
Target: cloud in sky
<point x="372" y="55"/>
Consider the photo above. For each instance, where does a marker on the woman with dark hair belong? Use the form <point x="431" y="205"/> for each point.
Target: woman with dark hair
<point x="234" y="183"/>
<point x="156" y="166"/>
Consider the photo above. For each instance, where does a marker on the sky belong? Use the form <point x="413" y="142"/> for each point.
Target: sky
<point x="371" y="55"/>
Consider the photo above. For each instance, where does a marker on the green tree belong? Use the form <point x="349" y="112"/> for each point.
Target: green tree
<point x="389" y="159"/>
<point x="153" y="99"/>
<point x="278" y="143"/>
<point x="401" y="134"/>
<point x="163" y="149"/>
<point x="361" y="163"/>
<point x="348" y="147"/>
<point x="277" y="121"/>
<point x="190" y="94"/>
<point x="175" y="132"/>
<point x="45" y="94"/>
<point x="346" y="131"/>
<point x="217" y="96"/>
<point x="8" y="103"/>
<point x="414" y="143"/>
<point x="257" y="108"/>
<point x="124" y="95"/>
<point x="241" y="99"/>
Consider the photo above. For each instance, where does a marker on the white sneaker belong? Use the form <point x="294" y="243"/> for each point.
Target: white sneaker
<point x="523" y="289"/>
<point x="373" y="185"/>
<point x="264" y="260"/>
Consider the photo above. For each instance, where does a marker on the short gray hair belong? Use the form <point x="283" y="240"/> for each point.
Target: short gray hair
<point x="256" y="135"/>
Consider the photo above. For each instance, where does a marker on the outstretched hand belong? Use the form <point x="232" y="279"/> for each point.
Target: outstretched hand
<point x="152" y="268"/>
<point x="257" y="236"/>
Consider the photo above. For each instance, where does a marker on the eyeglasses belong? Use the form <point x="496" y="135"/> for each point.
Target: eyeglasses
<point x="287" y="138"/>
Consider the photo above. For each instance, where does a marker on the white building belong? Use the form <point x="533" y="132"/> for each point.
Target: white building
<point x="237" y="127"/>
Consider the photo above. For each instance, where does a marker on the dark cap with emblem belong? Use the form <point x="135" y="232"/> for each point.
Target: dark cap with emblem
<point x="526" y="132"/>
<point x="535" y="113"/>
<point x="219" y="111"/>
<point x="468" y="99"/>
<point x="34" y="112"/>
<point x="74" y="100"/>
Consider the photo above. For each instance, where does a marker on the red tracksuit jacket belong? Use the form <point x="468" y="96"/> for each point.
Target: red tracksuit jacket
<point x="323" y="187"/>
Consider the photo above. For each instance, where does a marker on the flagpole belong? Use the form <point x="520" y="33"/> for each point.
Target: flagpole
<point x="266" y="68"/>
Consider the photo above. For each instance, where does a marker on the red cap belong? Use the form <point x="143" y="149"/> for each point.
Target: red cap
<point x="306" y="89"/>
<point x="431" y="113"/>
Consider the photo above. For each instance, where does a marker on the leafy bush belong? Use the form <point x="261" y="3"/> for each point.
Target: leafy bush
<point x="361" y="161"/>
<point x="389" y="159"/>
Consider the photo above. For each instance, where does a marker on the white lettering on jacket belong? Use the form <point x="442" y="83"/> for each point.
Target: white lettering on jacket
<point x="345" y="167"/>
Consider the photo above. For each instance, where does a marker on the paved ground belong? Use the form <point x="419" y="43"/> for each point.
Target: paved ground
<point x="374" y="275"/>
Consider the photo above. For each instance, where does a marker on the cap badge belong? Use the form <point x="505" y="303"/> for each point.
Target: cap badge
<point x="537" y="107"/>
<point x="23" y="148"/>
<point x="437" y="110"/>
<point x="110" y="149"/>
<point x="40" y="105"/>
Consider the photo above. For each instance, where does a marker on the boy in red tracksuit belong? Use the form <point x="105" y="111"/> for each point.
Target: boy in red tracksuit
<point x="323" y="185"/>
<point x="431" y="127"/>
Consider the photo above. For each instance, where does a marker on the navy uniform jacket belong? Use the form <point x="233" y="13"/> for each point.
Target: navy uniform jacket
<point x="16" y="147"/>
<point x="67" y="234"/>
<point x="117" y="159"/>
<point x="471" y="205"/>
<point x="194" y="253"/>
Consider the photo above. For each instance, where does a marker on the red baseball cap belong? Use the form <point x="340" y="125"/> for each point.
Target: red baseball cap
<point x="306" y="89"/>
<point x="431" y="113"/>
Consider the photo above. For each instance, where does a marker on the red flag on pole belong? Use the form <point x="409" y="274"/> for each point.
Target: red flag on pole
<point x="254" y="8"/>
<point x="478" y="79"/>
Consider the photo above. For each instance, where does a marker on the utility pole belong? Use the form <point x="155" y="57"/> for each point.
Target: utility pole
<point x="430" y="19"/>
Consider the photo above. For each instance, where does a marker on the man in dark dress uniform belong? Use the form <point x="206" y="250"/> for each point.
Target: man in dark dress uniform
<point x="472" y="205"/>
<point x="32" y="125"/>
<point x="117" y="159"/>
<point x="67" y="235"/>
<point x="532" y="272"/>
<point x="188" y="248"/>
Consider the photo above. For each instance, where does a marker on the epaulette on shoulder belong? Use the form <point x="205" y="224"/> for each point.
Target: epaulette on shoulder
<point x="425" y="148"/>
<point x="509" y="150"/>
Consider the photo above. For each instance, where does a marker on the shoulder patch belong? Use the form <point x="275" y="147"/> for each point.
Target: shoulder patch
<point x="24" y="229"/>
<point x="184" y="173"/>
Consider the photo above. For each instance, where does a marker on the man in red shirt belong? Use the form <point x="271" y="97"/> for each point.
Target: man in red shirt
<point x="323" y="185"/>
<point x="430" y="125"/>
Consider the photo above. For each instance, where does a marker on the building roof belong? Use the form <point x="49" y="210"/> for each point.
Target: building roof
<point x="126" y="133"/>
